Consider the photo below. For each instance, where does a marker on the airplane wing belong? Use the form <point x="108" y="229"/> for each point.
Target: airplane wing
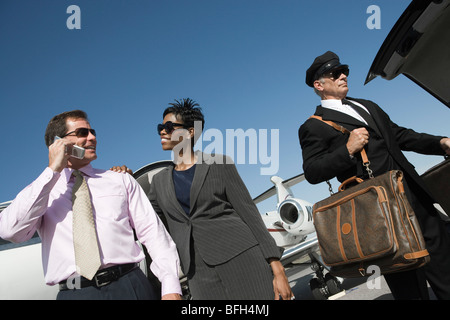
<point x="3" y="205"/>
<point x="145" y="174"/>
<point x="272" y="191"/>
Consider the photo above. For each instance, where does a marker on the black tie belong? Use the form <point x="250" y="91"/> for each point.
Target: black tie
<point x="363" y="113"/>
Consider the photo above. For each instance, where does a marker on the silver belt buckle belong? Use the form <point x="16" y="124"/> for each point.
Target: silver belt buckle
<point x="97" y="282"/>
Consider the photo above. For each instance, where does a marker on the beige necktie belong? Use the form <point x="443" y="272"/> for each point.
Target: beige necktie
<point x="87" y="256"/>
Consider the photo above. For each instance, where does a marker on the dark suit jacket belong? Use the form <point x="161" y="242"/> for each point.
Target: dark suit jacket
<point x="223" y="220"/>
<point x="325" y="155"/>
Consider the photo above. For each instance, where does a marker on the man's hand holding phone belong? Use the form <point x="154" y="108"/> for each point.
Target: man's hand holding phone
<point x="60" y="151"/>
<point x="58" y="155"/>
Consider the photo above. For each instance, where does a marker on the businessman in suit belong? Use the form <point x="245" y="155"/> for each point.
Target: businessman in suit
<point x="224" y="247"/>
<point x="328" y="153"/>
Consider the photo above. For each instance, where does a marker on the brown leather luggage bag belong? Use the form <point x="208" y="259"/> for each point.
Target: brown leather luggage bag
<point x="369" y="224"/>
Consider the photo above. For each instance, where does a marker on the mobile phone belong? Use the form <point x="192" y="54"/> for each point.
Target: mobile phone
<point x="77" y="152"/>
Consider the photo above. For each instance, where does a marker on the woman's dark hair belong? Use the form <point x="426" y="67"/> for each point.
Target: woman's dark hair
<point x="187" y="110"/>
<point x="57" y="125"/>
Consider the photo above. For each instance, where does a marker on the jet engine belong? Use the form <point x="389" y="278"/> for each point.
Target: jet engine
<point x="295" y="216"/>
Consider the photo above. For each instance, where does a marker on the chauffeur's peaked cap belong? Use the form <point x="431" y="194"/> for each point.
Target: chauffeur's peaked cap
<point x="323" y="63"/>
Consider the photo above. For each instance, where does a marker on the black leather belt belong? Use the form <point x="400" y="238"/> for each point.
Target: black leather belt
<point x="102" y="277"/>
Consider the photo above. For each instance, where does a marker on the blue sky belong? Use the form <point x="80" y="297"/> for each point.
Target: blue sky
<point x="243" y="61"/>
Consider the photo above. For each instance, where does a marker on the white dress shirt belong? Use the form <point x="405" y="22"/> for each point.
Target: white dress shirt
<point x="337" y="105"/>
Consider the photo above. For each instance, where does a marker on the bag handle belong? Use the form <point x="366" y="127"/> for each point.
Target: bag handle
<point x="340" y="128"/>
<point x="349" y="180"/>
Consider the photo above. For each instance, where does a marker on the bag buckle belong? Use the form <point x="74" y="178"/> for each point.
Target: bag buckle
<point x="362" y="272"/>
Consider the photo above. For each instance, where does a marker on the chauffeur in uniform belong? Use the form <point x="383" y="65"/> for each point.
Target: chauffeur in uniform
<point x="328" y="153"/>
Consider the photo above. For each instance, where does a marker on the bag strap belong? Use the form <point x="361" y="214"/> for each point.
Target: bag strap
<point x="342" y="129"/>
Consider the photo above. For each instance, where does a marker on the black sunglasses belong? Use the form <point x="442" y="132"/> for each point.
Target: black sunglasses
<point x="81" y="132"/>
<point x="169" y="126"/>
<point x="335" y="74"/>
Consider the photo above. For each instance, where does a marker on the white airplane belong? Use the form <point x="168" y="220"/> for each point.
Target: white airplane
<point x="291" y="225"/>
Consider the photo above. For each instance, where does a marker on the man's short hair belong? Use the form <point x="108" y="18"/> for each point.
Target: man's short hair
<point x="57" y="125"/>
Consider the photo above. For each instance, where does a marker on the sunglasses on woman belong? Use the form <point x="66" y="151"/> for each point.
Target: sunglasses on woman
<point x="169" y="126"/>
<point x="81" y="132"/>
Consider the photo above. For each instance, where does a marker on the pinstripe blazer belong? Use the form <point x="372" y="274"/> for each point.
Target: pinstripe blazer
<point x="223" y="220"/>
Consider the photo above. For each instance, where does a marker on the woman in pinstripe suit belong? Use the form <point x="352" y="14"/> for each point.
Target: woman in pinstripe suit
<point x="224" y="247"/>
